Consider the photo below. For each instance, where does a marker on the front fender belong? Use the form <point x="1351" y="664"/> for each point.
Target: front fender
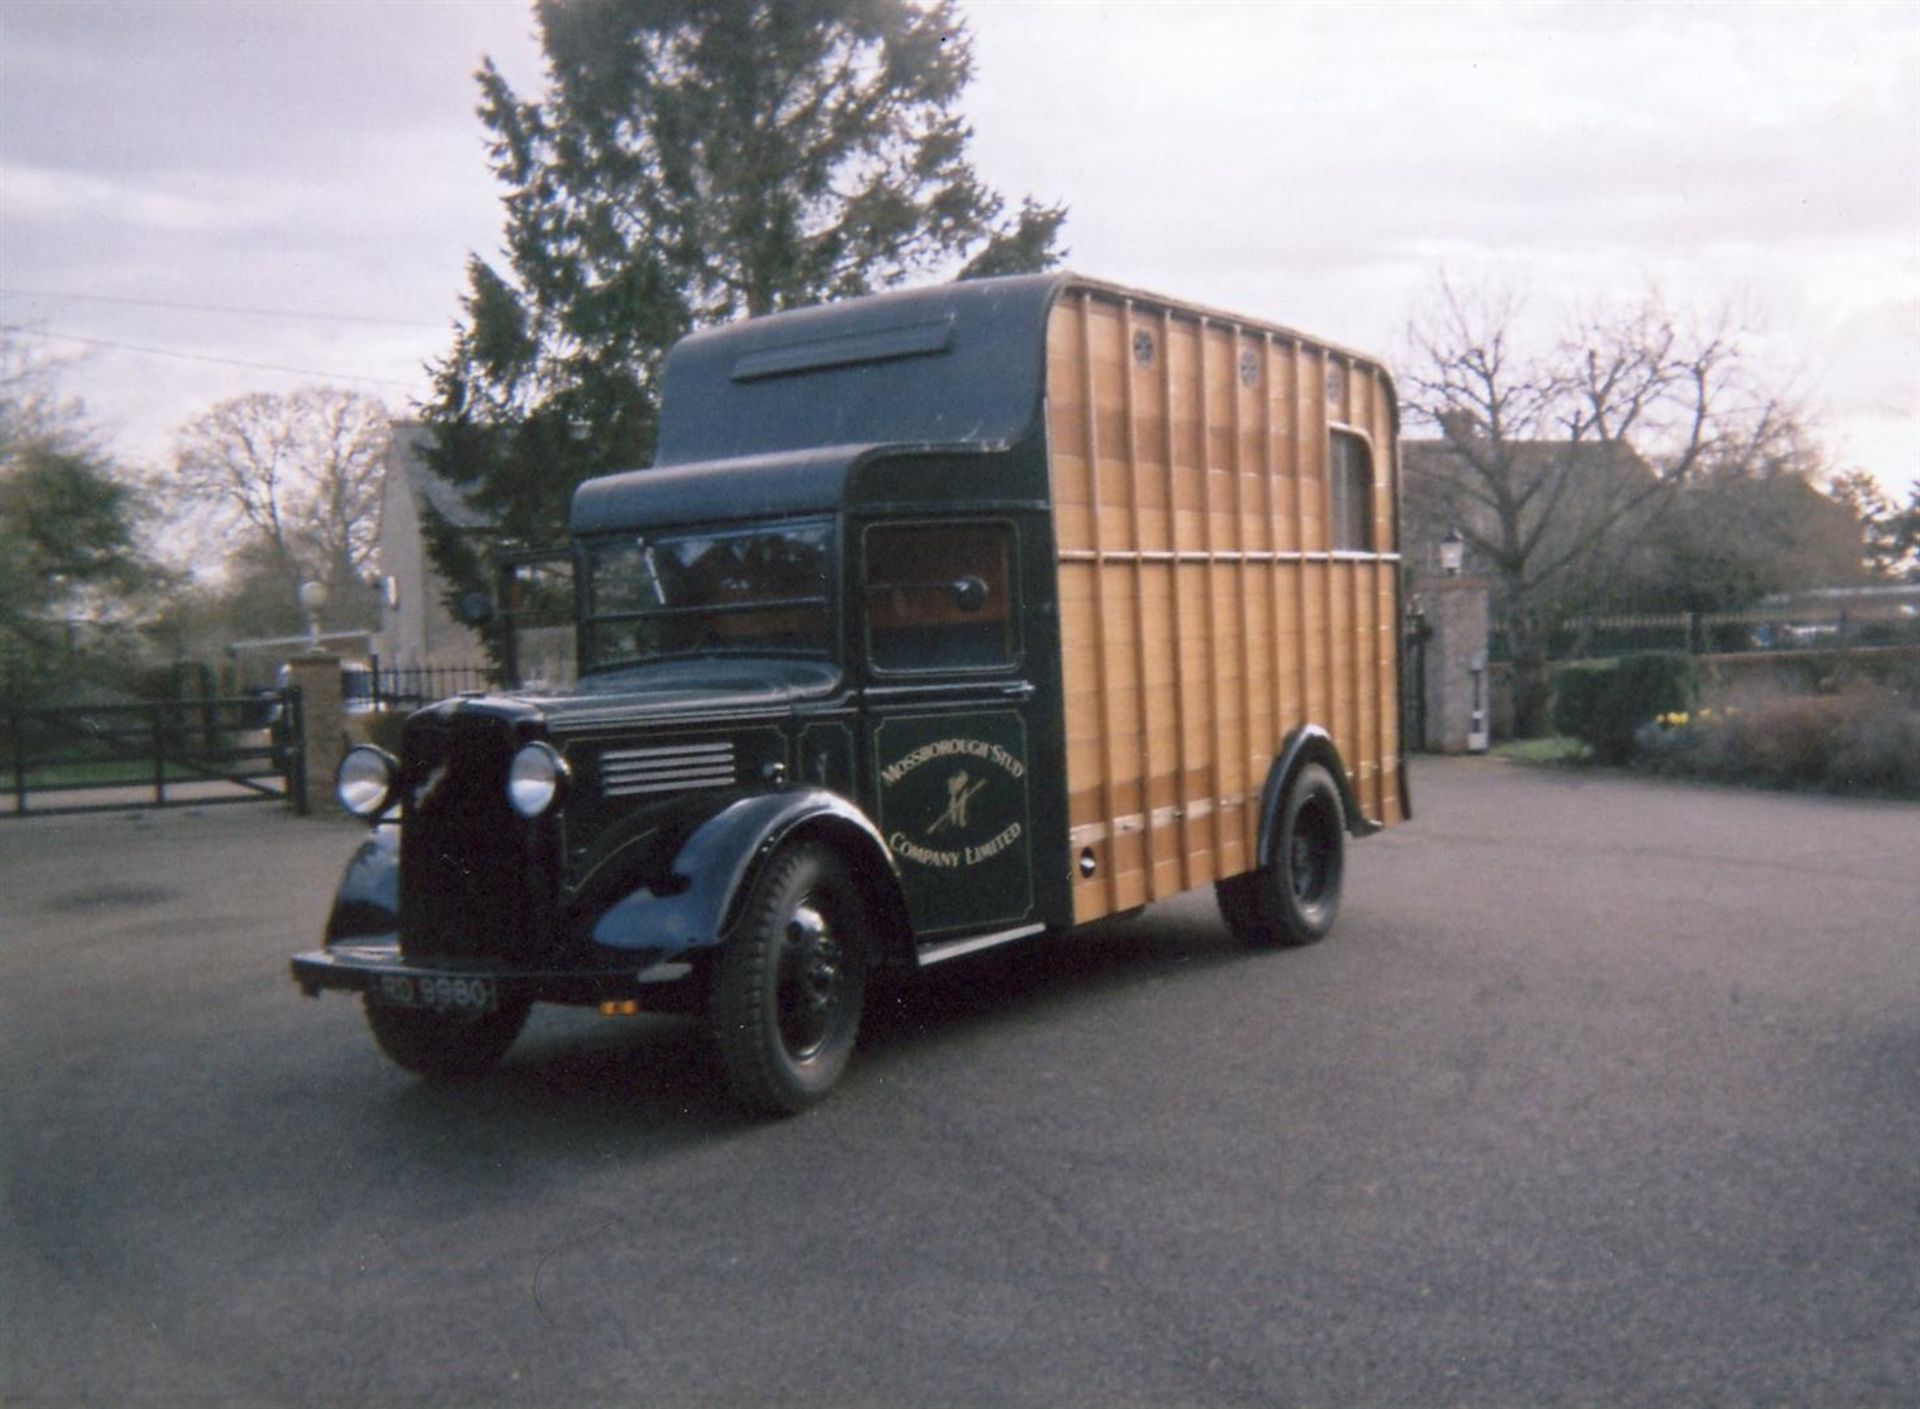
<point x="692" y="902"/>
<point x="368" y="901"/>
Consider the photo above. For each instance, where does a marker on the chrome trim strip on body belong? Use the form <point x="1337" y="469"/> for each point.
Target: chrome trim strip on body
<point x="939" y="953"/>
<point x="668" y="751"/>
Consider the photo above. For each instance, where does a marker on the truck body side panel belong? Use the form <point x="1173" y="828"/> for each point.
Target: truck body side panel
<point x="1224" y="498"/>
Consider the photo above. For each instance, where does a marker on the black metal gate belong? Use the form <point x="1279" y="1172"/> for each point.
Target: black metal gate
<point x="98" y="758"/>
<point x="1413" y="683"/>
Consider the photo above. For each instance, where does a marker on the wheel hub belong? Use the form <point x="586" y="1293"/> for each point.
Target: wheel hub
<point x="1307" y="855"/>
<point x="818" y="956"/>
<point x="812" y="984"/>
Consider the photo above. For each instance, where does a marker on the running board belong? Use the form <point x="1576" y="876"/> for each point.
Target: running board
<point x="940" y="953"/>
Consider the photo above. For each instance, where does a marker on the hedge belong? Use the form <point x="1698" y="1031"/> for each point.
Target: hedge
<point x="1604" y="703"/>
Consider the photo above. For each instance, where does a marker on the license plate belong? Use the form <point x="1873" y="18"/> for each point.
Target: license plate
<point x="443" y="993"/>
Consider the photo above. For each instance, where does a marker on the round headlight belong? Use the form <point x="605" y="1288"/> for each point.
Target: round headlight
<point x="364" y="783"/>
<point x="535" y="779"/>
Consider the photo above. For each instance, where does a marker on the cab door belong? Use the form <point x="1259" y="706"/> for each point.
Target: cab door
<point x="949" y="741"/>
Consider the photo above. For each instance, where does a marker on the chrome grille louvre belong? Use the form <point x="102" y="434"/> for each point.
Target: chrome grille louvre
<point x="667" y="769"/>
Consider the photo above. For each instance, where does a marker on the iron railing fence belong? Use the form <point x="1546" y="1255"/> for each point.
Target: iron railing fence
<point x="388" y="687"/>
<point x="1716" y="633"/>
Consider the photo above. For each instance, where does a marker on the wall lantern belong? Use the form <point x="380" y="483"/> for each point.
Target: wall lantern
<point x="313" y="596"/>
<point x="1453" y="552"/>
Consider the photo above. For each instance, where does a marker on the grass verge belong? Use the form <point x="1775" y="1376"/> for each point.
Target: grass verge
<point x="1552" y="749"/>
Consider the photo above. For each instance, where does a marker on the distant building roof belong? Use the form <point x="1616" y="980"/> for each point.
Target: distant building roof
<point x="1425" y="457"/>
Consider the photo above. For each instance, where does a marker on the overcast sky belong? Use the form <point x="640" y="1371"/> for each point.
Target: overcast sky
<point x="295" y="187"/>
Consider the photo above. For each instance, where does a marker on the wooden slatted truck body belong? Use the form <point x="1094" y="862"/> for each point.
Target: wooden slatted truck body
<point x="944" y="618"/>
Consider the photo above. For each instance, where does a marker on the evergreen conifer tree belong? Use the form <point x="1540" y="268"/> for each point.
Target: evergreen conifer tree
<point x="692" y="162"/>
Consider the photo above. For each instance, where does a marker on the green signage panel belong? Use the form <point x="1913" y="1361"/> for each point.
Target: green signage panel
<point x="953" y="810"/>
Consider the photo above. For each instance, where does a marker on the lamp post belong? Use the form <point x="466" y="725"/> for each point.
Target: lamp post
<point x="313" y="596"/>
<point x="1453" y="552"/>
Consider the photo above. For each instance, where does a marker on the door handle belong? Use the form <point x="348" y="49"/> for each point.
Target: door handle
<point x="1021" y="691"/>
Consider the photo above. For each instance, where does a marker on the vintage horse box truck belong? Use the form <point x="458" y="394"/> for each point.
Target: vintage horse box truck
<point x="944" y="618"/>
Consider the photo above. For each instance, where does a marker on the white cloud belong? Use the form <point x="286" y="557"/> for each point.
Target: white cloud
<point x="68" y="200"/>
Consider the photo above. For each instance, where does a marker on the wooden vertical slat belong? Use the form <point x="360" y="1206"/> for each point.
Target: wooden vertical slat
<point x="1376" y="751"/>
<point x="1361" y="606"/>
<point x="1357" y="733"/>
<point x="1182" y="823"/>
<point x="1269" y="457"/>
<point x="1269" y="454"/>
<point x="1322" y="447"/>
<point x="1107" y="750"/>
<point x="1297" y="438"/>
<point x="1211" y="694"/>
<point x="1387" y="647"/>
<point x="1135" y="508"/>
<point x="1243" y="541"/>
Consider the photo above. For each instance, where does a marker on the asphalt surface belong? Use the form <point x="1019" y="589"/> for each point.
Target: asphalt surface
<point x="1604" y="1092"/>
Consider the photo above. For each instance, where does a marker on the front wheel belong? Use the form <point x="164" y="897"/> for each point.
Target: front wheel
<point x="789" y="987"/>
<point x="1294" y="899"/>
<point x="446" y="1046"/>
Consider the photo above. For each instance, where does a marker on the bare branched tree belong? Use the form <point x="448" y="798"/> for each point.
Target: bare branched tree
<point x="1542" y="460"/>
<point x="297" y="478"/>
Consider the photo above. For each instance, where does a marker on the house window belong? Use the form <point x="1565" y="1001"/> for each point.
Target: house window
<point x="940" y="597"/>
<point x="1350" y="492"/>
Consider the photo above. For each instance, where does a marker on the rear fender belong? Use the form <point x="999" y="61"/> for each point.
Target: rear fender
<point x="692" y="900"/>
<point x="1307" y="744"/>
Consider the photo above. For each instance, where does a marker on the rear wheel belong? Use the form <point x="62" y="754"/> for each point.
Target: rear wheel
<point x="789" y="987"/>
<point x="1295" y="898"/>
<point x="446" y="1046"/>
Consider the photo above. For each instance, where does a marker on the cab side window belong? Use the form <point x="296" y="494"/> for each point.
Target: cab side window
<point x="940" y="597"/>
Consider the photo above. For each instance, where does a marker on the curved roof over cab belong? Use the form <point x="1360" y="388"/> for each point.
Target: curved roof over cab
<point x="949" y="364"/>
<point x="769" y="417"/>
<point x="784" y="484"/>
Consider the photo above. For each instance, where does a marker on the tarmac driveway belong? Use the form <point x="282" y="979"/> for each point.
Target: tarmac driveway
<point x="1603" y="1092"/>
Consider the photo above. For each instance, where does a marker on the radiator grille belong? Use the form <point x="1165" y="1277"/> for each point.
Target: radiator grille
<point x="464" y="876"/>
<point x="670" y="769"/>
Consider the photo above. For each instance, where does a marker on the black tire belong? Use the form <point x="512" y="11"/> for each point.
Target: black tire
<point x="1296" y="899"/>
<point x="789" y="986"/>
<point x="446" y="1046"/>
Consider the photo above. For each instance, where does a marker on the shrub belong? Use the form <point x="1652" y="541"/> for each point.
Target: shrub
<point x="1866" y="741"/>
<point x="1789" y="741"/>
<point x="1576" y="697"/>
<point x="1605" y="703"/>
<point x="1876" y="747"/>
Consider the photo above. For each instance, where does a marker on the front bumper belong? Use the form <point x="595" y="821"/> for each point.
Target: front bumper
<point x="357" y="965"/>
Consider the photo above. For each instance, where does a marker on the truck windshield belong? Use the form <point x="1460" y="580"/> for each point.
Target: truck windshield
<point x="761" y="589"/>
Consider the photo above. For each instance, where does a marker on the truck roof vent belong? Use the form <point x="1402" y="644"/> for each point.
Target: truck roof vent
<point x="922" y="339"/>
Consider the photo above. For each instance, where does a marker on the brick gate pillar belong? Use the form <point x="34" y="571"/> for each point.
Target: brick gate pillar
<point x="1459" y="692"/>
<point x="324" y="716"/>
